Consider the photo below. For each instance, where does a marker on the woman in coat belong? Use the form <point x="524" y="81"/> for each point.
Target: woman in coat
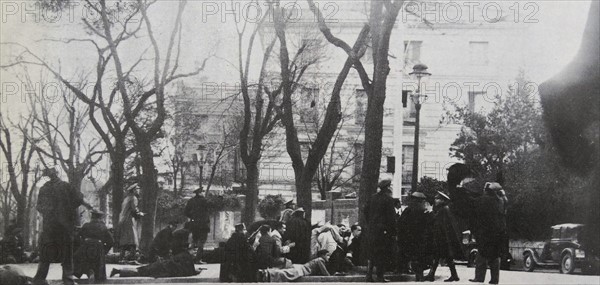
<point x="446" y="238"/>
<point x="128" y="218"/>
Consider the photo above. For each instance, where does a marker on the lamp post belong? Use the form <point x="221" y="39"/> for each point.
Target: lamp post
<point x="419" y="72"/>
<point x="201" y="154"/>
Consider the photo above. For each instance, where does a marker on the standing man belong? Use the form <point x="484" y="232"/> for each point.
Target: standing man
<point x="380" y="214"/>
<point x="298" y="232"/>
<point x="128" y="223"/>
<point x="286" y="214"/>
<point x="489" y="232"/>
<point x="57" y="203"/>
<point x="196" y="210"/>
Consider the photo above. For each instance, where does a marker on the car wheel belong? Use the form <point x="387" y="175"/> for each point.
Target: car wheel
<point x="528" y="263"/>
<point x="567" y="264"/>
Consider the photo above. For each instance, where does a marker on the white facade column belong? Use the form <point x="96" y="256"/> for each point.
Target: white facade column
<point x="398" y="112"/>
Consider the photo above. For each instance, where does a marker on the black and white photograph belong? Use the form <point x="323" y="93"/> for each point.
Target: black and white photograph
<point x="304" y="141"/>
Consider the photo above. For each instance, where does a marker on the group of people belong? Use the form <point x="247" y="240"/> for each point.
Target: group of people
<point x="423" y="236"/>
<point x="286" y="249"/>
<point x="82" y="251"/>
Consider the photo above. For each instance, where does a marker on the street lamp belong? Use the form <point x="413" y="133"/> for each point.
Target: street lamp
<point x="201" y="154"/>
<point x="419" y="72"/>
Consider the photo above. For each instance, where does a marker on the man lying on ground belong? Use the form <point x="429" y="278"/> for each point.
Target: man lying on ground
<point x="315" y="267"/>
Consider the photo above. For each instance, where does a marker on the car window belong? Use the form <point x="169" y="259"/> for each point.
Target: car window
<point x="556" y="233"/>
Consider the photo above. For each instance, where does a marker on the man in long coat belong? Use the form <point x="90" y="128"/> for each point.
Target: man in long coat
<point x="196" y="210"/>
<point x="489" y="230"/>
<point x="380" y="215"/>
<point x="414" y="238"/>
<point x="57" y="203"/>
<point x="298" y="232"/>
<point x="239" y="263"/>
<point x="128" y="222"/>
<point x="96" y="242"/>
<point x="447" y="238"/>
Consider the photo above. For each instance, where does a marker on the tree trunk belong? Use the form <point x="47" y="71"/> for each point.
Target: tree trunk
<point x="304" y="193"/>
<point x="149" y="192"/>
<point x="252" y="175"/>
<point x="118" y="180"/>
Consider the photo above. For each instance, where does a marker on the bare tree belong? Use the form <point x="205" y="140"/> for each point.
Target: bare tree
<point x="304" y="171"/>
<point x="18" y="161"/>
<point x="145" y="131"/>
<point x="382" y="18"/>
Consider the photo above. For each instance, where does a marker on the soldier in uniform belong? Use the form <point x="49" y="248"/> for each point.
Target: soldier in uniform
<point x="286" y="214"/>
<point x="57" y="203"/>
<point x="96" y="242"/>
<point x="380" y="214"/>
<point x="196" y="210"/>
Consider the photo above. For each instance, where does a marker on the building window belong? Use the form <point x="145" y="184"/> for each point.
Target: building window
<point x="358" y="158"/>
<point x="407" y="163"/>
<point x="308" y="105"/>
<point x="361" y="106"/>
<point x="391" y="164"/>
<point x="479" y="53"/>
<point x="412" y="53"/>
<point x="474" y="98"/>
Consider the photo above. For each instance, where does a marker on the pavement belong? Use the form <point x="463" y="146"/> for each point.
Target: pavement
<point x="211" y="275"/>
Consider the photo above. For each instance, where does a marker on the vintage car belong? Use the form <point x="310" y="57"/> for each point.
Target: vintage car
<point x="563" y="250"/>
<point x="470" y="246"/>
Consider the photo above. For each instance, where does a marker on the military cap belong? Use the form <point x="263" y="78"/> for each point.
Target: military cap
<point x="385" y="183"/>
<point x="418" y="195"/>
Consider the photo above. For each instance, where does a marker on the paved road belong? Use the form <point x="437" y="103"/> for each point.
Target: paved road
<point x="212" y="273"/>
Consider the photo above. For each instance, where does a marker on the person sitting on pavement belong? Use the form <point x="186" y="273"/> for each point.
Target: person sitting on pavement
<point x="181" y="264"/>
<point x="96" y="242"/>
<point x="238" y="265"/>
<point x="283" y="247"/>
<point x="268" y="254"/>
<point x="315" y="267"/>
<point x="353" y="248"/>
<point x="161" y="244"/>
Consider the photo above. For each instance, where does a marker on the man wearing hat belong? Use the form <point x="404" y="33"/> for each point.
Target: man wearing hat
<point x="96" y="242"/>
<point x="128" y="220"/>
<point x="298" y="231"/>
<point x="490" y="229"/>
<point x="286" y="214"/>
<point x="57" y="203"/>
<point x="447" y="238"/>
<point x="380" y="215"/>
<point x="414" y="237"/>
<point x="239" y="264"/>
<point x="162" y="241"/>
<point x="196" y="210"/>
